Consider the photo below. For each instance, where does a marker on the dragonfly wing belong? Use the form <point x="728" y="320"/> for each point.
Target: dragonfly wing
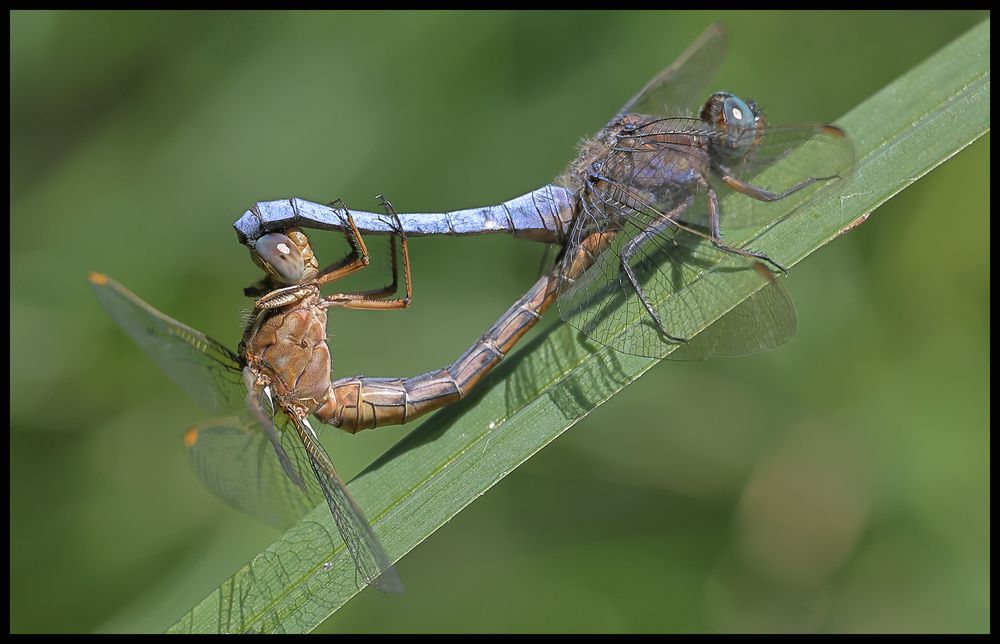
<point x="647" y="156"/>
<point x="261" y="407"/>
<point x="685" y="281"/>
<point x="235" y="456"/>
<point x="364" y="547"/>
<point x="235" y="459"/>
<point x="813" y="156"/>
<point x="764" y="321"/>
<point x="682" y="86"/>
<point x="204" y="369"/>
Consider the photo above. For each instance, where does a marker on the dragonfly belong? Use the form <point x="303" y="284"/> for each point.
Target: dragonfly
<point x="637" y="219"/>
<point x="263" y="455"/>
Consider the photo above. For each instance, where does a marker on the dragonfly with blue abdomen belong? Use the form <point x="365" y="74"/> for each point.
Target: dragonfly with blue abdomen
<point x="644" y="204"/>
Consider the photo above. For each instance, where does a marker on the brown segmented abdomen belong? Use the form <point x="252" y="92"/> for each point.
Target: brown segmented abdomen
<point x="363" y="403"/>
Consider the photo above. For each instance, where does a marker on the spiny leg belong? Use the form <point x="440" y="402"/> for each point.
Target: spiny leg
<point x="396" y="225"/>
<point x="761" y="194"/>
<point x="392" y="287"/>
<point x="714" y="217"/>
<point x="664" y="222"/>
<point x="754" y="192"/>
<point x="354" y="261"/>
<point x="378" y="299"/>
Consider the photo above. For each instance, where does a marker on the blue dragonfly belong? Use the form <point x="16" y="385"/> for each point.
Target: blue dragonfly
<point x="637" y="220"/>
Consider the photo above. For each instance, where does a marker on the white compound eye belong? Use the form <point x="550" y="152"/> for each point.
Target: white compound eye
<point x="281" y="258"/>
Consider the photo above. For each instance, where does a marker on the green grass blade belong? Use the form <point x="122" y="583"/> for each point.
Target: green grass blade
<point x="911" y="126"/>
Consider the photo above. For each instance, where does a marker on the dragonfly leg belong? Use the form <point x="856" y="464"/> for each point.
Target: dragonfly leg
<point x="356" y="260"/>
<point x="397" y="237"/>
<point x="625" y="256"/>
<point x="714" y="218"/>
<point x="379" y="299"/>
<point x="664" y="222"/>
<point x="761" y="194"/>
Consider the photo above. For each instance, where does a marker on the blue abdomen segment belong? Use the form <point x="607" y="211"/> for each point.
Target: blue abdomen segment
<point x="541" y="215"/>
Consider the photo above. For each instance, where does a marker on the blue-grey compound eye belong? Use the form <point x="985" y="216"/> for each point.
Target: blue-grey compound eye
<point x="738" y="113"/>
<point x="281" y="257"/>
<point x="741" y="122"/>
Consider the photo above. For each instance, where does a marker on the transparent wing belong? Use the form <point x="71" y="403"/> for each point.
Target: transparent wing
<point x="270" y="464"/>
<point x="650" y="155"/>
<point x="265" y="463"/>
<point x="762" y="322"/>
<point x="236" y="460"/>
<point x="681" y="87"/>
<point x="687" y="282"/>
<point x="204" y="369"/>
<point x="364" y="547"/>
<point x="235" y="456"/>
<point x="813" y="156"/>
<point x="261" y="406"/>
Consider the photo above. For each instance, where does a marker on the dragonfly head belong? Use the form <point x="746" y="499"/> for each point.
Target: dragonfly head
<point x="737" y="125"/>
<point x="287" y="257"/>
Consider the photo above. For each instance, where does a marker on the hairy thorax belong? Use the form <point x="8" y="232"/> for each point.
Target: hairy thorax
<point x="649" y="154"/>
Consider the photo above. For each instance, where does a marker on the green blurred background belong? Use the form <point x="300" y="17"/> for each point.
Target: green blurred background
<point x="838" y="484"/>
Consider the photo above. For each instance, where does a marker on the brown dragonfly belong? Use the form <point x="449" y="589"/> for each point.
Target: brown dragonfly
<point x="264" y="456"/>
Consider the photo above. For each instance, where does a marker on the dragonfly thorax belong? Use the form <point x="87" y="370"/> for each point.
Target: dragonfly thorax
<point x="287" y="349"/>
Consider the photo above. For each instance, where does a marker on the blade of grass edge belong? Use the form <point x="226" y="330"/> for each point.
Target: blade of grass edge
<point x="901" y="133"/>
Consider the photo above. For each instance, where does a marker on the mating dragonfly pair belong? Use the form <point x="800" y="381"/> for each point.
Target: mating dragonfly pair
<point x="640" y="263"/>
